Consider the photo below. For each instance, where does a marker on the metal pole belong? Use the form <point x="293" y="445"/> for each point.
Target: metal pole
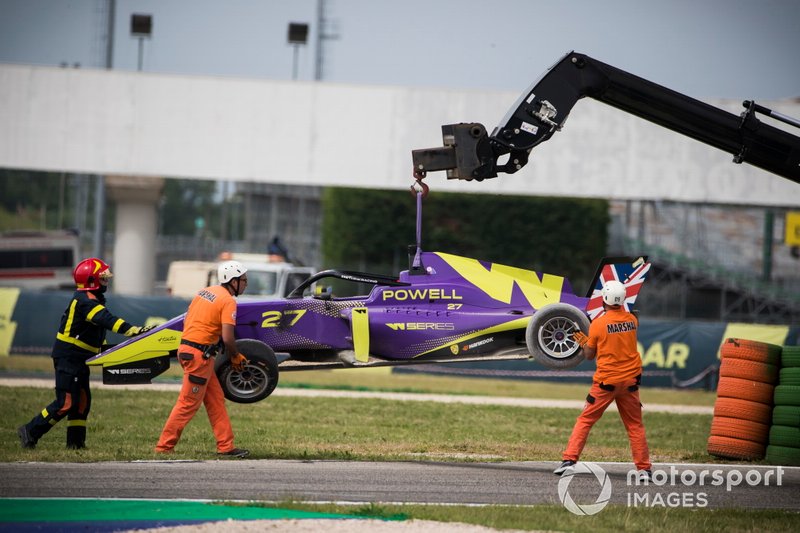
<point x="294" y="64"/>
<point x="320" y="22"/>
<point x="100" y="186"/>
<point x="99" y="217"/>
<point x="141" y="51"/>
<point x="769" y="224"/>
<point x="112" y="9"/>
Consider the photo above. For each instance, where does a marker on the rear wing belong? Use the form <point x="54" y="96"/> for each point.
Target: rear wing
<point x="630" y="271"/>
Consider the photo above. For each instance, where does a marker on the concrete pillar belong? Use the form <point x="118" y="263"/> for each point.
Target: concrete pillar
<point x="136" y="225"/>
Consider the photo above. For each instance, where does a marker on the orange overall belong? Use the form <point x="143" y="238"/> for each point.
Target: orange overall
<point x="211" y="308"/>
<point x="619" y="370"/>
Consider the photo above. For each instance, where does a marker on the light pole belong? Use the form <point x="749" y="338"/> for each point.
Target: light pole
<point x="297" y="36"/>
<point x="141" y="28"/>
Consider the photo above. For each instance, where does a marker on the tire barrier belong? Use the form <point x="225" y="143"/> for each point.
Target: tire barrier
<point x="789" y="376"/>
<point x="748" y="373"/>
<point x="738" y="428"/>
<point x="790" y="357"/>
<point x="784" y="435"/>
<point x="760" y="352"/>
<point x="745" y="369"/>
<point x="786" y="415"/>
<point x="730" y="448"/>
<point x="746" y="389"/>
<point x="787" y="395"/>
<point x="743" y="409"/>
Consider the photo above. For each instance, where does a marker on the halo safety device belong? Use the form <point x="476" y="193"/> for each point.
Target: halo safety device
<point x="89" y="273"/>
<point x="613" y="293"/>
<point x="230" y="270"/>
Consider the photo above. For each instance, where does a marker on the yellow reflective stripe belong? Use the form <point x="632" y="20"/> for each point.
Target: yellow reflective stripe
<point x="97" y="308"/>
<point x="76" y="423"/>
<point x="44" y="413"/>
<point x="117" y="325"/>
<point x="70" y="317"/>
<point x="78" y="343"/>
<point x="360" y="325"/>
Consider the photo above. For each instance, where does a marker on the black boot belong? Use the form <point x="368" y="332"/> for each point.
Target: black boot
<point x="76" y="437"/>
<point x="25" y="437"/>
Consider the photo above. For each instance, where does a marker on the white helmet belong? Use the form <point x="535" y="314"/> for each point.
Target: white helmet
<point x="230" y="270"/>
<point x="613" y="293"/>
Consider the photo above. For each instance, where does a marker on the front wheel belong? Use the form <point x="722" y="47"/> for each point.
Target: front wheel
<point x="259" y="377"/>
<point x="549" y="335"/>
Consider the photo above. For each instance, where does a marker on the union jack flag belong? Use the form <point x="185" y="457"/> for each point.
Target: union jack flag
<point x="632" y="275"/>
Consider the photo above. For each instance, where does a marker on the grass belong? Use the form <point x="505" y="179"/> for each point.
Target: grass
<point x="613" y="519"/>
<point x="324" y="428"/>
<point x="383" y="379"/>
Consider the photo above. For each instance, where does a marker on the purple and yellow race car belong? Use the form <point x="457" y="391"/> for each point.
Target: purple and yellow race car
<point x="443" y="309"/>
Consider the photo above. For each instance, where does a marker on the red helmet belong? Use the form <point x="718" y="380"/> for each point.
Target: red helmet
<point x="89" y="272"/>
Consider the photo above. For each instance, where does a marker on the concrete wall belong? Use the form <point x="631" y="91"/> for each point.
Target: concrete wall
<point x="307" y="133"/>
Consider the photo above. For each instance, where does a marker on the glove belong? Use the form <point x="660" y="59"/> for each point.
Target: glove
<point x="133" y="331"/>
<point x="580" y="338"/>
<point x="238" y="361"/>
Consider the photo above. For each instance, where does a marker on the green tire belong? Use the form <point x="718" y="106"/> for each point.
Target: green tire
<point x="786" y="415"/>
<point x="789" y="376"/>
<point x="783" y="455"/>
<point x="787" y="395"/>
<point x="784" y="436"/>
<point x="790" y="357"/>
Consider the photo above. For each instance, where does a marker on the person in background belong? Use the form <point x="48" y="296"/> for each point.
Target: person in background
<point x="80" y="336"/>
<point x="612" y="341"/>
<point x="211" y="317"/>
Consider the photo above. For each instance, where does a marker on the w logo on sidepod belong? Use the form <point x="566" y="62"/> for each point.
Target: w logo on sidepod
<point x="589" y="508"/>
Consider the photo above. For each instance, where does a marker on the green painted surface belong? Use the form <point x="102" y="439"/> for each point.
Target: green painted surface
<point x="71" y="510"/>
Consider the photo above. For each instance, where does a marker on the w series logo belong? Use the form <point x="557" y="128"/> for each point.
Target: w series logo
<point x="420" y="326"/>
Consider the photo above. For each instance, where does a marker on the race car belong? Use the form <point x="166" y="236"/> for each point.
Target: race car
<point x="445" y="308"/>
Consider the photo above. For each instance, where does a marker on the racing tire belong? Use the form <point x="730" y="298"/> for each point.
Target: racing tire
<point x="730" y="448"/>
<point x="745" y="389"/>
<point x="259" y="377"/>
<point x="783" y="455"/>
<point x="760" y="352"/>
<point x="789" y="376"/>
<point x="744" y="369"/>
<point x="787" y="395"/>
<point x="784" y="436"/>
<point x="742" y="409"/>
<point x="549" y="336"/>
<point x="786" y="415"/>
<point x="790" y="358"/>
<point x="739" y="429"/>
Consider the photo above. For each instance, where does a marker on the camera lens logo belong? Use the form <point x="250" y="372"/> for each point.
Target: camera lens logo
<point x="588" y="508"/>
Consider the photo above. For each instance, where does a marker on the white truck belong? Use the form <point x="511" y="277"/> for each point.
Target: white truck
<point x="38" y="259"/>
<point x="267" y="279"/>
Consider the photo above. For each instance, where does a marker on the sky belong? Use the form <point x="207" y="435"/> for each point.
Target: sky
<point x="744" y="49"/>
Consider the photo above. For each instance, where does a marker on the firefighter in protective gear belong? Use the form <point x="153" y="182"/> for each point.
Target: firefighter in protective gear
<point x="80" y="336"/>
<point x="612" y="341"/>
<point x="211" y="317"/>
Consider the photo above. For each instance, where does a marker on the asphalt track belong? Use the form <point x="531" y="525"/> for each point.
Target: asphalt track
<point x="515" y="483"/>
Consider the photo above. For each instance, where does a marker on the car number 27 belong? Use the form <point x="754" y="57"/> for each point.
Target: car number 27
<point x="273" y="319"/>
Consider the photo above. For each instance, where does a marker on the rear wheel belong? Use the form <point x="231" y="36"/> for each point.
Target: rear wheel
<point x="258" y="378"/>
<point x="549" y="335"/>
